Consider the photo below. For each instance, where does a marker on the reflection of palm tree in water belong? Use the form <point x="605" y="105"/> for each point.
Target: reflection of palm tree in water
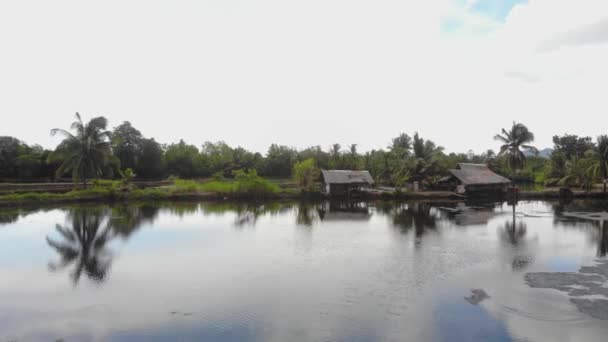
<point x="418" y="216"/>
<point x="83" y="245"/>
<point x="513" y="232"/>
<point x="306" y="214"/>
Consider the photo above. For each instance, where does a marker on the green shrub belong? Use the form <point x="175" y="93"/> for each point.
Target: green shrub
<point x="250" y="184"/>
<point x="219" y="187"/>
<point x="218" y="176"/>
<point x="245" y="184"/>
<point x="540" y="178"/>
<point x="305" y="173"/>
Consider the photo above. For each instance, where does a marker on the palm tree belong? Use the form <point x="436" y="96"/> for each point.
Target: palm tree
<point x="87" y="153"/>
<point x="577" y="173"/>
<point x="401" y="146"/>
<point x="519" y="137"/>
<point x="426" y="155"/>
<point x="353" y="156"/>
<point x="335" y="156"/>
<point x="599" y="155"/>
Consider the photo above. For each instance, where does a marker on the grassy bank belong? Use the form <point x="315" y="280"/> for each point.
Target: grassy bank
<point x="247" y="188"/>
<point x="244" y="186"/>
<point x="207" y="191"/>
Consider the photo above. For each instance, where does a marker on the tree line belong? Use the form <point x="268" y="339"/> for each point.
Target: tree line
<point x="91" y="150"/>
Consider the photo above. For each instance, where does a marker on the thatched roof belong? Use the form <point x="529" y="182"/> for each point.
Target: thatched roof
<point x="347" y="177"/>
<point x="477" y="174"/>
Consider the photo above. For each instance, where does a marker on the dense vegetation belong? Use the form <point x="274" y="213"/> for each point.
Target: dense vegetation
<point x="94" y="152"/>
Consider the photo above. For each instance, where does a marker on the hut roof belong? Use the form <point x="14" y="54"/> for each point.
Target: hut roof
<point x="477" y="174"/>
<point x="347" y="177"/>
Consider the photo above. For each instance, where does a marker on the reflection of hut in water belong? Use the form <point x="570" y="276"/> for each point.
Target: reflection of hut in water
<point x="343" y="182"/>
<point x="474" y="217"/>
<point x="344" y="211"/>
<point x="470" y="214"/>
<point x="475" y="179"/>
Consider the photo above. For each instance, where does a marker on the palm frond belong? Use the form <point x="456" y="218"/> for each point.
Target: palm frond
<point x="98" y="123"/>
<point x="501" y="138"/>
<point x="530" y="149"/>
<point x="63" y="132"/>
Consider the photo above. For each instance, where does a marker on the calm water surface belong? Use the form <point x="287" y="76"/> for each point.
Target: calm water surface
<point x="294" y="272"/>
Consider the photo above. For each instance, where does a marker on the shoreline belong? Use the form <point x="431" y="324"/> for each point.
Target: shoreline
<point x="106" y="196"/>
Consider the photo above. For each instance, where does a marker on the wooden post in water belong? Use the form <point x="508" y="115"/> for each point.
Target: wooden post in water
<point x="514" y="194"/>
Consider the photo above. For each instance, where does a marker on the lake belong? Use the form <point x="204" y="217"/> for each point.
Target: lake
<point x="327" y="271"/>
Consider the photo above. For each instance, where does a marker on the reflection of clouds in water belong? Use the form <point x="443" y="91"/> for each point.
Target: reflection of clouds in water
<point x="456" y="320"/>
<point x="586" y="287"/>
<point x="598" y="219"/>
<point x="10" y="215"/>
<point x="562" y="264"/>
<point x="294" y="277"/>
<point x="191" y="329"/>
<point x="526" y="315"/>
<point x="83" y="243"/>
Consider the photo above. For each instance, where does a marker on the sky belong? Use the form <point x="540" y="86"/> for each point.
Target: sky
<point x="302" y="73"/>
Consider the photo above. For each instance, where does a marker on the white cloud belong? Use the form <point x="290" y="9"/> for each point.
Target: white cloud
<point x="301" y="73"/>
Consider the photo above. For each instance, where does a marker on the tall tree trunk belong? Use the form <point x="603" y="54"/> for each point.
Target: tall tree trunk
<point x="84" y="183"/>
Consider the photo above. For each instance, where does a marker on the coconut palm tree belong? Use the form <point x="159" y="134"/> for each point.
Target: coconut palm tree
<point x="426" y="156"/>
<point x="353" y="156"/>
<point x="514" y="140"/>
<point x="87" y="153"/>
<point x="599" y="155"/>
<point x="577" y="173"/>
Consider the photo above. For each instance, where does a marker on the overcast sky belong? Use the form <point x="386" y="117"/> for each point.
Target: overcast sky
<point x="254" y="72"/>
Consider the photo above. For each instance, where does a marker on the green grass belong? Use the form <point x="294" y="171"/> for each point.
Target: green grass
<point x="149" y="194"/>
<point x="221" y="187"/>
<point x="185" y="186"/>
<point x="106" y="183"/>
<point x="83" y="195"/>
<point x="244" y="185"/>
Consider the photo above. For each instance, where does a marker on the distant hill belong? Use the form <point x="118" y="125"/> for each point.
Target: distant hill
<point x="544" y="153"/>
